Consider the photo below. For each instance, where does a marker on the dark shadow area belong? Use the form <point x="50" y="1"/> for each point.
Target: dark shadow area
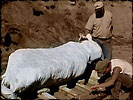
<point x="52" y="6"/>
<point x="15" y="43"/>
<point x="47" y="7"/>
<point x="104" y="77"/>
<point x="29" y="96"/>
<point x="37" y="12"/>
<point x="7" y="40"/>
<point x="53" y="89"/>
<point x="72" y="83"/>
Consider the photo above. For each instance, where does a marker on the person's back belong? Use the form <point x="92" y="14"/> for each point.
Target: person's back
<point x="126" y="68"/>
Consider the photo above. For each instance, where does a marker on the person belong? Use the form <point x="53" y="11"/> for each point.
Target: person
<point x="100" y="27"/>
<point x="121" y="76"/>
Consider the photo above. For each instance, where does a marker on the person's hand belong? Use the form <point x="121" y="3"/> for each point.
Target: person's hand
<point x="96" y="87"/>
<point x="89" y="37"/>
<point x="93" y="87"/>
<point x="81" y="36"/>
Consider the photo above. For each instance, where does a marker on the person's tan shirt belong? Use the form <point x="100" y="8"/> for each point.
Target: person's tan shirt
<point x="100" y="27"/>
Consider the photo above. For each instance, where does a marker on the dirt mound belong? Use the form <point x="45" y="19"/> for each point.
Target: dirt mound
<point x="41" y="24"/>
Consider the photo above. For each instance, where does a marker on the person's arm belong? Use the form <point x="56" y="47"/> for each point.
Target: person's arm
<point x="83" y="35"/>
<point x="87" y="32"/>
<point x="115" y="75"/>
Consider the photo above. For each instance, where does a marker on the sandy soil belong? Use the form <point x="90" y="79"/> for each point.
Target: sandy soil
<point x="41" y="24"/>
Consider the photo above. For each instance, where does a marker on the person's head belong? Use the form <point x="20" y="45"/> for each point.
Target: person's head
<point x="99" y="9"/>
<point x="103" y="67"/>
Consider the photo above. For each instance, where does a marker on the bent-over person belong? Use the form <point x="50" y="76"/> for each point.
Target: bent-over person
<point x="121" y="75"/>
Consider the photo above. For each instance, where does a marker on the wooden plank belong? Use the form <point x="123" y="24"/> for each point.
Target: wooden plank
<point x="83" y="86"/>
<point x="78" y="92"/>
<point x="2" y="97"/>
<point x="89" y="85"/>
<point x="81" y="89"/>
<point x="61" y="95"/>
<point x="68" y="91"/>
<point x="46" y="95"/>
<point x="41" y="96"/>
<point x="5" y="96"/>
<point x="43" y="90"/>
<point x="87" y="96"/>
<point x="81" y="81"/>
<point x="8" y="96"/>
<point x="93" y="78"/>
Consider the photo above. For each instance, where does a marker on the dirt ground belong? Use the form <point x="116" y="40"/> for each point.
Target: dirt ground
<point x="46" y="24"/>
